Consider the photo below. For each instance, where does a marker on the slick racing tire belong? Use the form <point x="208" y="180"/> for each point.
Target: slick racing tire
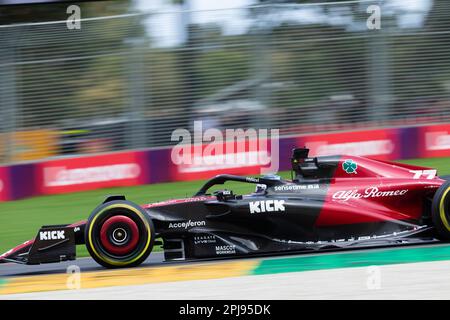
<point x="440" y="211"/>
<point x="119" y="234"/>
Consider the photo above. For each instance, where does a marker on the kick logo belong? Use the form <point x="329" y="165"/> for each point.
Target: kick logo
<point x="266" y="206"/>
<point x="52" y="235"/>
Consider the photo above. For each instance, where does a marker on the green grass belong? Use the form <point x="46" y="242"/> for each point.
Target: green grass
<point x="21" y="219"/>
<point x="441" y="164"/>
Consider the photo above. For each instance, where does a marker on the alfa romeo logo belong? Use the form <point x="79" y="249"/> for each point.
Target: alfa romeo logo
<point x="349" y="166"/>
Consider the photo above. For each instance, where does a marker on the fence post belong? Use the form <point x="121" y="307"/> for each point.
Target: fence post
<point x="262" y="65"/>
<point x="380" y="93"/>
<point x="137" y="125"/>
<point x="8" y="101"/>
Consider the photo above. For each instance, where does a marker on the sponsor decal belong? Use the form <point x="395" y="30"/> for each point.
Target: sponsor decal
<point x="211" y="150"/>
<point x="266" y="206"/>
<point x="52" y="235"/>
<point x="228" y="249"/>
<point x="360" y="148"/>
<point x="202" y="163"/>
<point x="61" y="176"/>
<point x="437" y="140"/>
<point x="350" y="166"/>
<point x="92" y="172"/>
<point x="296" y="187"/>
<point x="434" y="141"/>
<point x="186" y="225"/>
<point x="208" y="239"/>
<point x="371" y="192"/>
<point x="380" y="144"/>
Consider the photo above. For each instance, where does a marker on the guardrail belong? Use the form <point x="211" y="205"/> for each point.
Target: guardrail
<point x="155" y="165"/>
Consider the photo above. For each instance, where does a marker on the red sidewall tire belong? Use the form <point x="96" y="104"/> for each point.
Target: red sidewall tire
<point x="106" y="248"/>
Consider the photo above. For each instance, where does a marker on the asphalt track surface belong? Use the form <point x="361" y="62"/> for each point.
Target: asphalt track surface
<point x="157" y="259"/>
<point x="85" y="264"/>
<point x="417" y="281"/>
<point x="424" y="280"/>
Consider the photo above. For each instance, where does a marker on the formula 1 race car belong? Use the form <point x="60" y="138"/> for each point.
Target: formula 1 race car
<point x="332" y="202"/>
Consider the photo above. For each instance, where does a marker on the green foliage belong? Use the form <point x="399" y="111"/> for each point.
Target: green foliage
<point x="311" y="61"/>
<point x="71" y="73"/>
<point x="231" y="65"/>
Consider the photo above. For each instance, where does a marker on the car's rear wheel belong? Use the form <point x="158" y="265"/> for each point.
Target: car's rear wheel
<point x="441" y="211"/>
<point x="119" y="234"/>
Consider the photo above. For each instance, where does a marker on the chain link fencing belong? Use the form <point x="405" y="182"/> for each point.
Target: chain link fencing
<point x="127" y="81"/>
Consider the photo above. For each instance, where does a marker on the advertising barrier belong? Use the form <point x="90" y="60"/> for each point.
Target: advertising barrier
<point x="207" y="160"/>
<point x="167" y="164"/>
<point x="433" y="141"/>
<point x="5" y="190"/>
<point x="93" y="172"/>
<point x="378" y="144"/>
<point x="22" y="181"/>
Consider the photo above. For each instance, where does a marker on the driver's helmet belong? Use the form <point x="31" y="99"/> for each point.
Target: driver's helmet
<point x="260" y="188"/>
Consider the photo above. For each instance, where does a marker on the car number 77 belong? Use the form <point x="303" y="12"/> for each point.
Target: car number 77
<point x="418" y="174"/>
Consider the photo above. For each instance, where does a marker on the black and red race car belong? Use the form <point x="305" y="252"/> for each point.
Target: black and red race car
<point x="332" y="202"/>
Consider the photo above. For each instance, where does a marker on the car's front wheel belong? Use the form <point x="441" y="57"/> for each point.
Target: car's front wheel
<point x="441" y="211"/>
<point x="119" y="234"/>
